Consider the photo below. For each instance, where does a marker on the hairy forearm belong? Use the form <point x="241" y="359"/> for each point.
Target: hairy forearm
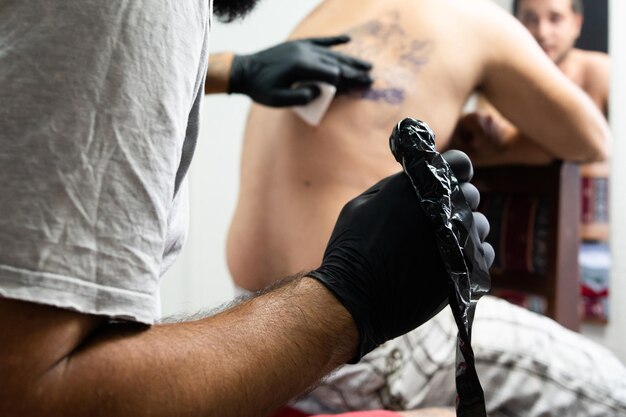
<point x="245" y="361"/>
<point x="218" y="73"/>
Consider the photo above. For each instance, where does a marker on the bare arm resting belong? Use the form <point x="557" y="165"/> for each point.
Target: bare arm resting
<point x="489" y="140"/>
<point x="59" y="363"/>
<point x="531" y="92"/>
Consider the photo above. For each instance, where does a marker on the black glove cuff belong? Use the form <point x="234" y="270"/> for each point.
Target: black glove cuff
<point x="237" y="78"/>
<point x="359" y="314"/>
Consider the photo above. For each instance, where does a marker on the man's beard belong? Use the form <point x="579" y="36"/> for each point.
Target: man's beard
<point x="561" y="57"/>
<point x="229" y="10"/>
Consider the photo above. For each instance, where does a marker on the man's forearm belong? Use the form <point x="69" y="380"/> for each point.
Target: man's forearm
<point x="245" y="361"/>
<point x="218" y="73"/>
<point x="517" y="150"/>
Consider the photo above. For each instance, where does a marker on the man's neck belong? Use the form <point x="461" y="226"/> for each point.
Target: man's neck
<point x="570" y="64"/>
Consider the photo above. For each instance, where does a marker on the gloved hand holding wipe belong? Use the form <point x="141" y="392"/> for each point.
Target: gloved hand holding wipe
<point x="268" y="77"/>
<point x="382" y="261"/>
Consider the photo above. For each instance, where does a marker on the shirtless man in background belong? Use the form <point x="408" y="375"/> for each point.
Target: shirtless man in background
<point x="429" y="56"/>
<point x="487" y="135"/>
<point x="556" y="26"/>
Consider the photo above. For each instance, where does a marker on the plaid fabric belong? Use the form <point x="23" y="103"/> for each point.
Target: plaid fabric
<point x="528" y="365"/>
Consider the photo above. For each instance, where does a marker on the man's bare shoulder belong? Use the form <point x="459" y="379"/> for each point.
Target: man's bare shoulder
<point x="594" y="70"/>
<point x="596" y="63"/>
<point x="498" y="32"/>
<point x="441" y="13"/>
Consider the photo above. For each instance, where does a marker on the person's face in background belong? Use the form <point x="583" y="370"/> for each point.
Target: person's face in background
<point x="229" y="10"/>
<point x="553" y="23"/>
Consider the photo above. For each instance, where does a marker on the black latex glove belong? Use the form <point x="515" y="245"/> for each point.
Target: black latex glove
<point x="268" y="77"/>
<point x="382" y="261"/>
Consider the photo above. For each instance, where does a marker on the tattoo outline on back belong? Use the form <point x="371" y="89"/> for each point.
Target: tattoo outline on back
<point x="402" y="57"/>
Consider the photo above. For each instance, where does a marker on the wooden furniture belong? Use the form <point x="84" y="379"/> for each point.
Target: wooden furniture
<point x="534" y="212"/>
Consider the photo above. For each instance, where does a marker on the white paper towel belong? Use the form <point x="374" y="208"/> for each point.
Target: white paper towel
<point x="314" y="112"/>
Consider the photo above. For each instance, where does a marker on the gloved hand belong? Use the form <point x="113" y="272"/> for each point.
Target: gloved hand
<point x="268" y="77"/>
<point x="382" y="262"/>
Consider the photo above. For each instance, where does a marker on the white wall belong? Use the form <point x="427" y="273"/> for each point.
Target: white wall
<point x="199" y="279"/>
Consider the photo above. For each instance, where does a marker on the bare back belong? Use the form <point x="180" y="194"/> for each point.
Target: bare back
<point x="428" y="56"/>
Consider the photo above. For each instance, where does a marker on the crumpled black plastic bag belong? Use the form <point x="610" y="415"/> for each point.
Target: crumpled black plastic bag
<point x="412" y="143"/>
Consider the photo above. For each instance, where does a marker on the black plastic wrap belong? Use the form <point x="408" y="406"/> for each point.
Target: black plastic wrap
<point x="413" y="145"/>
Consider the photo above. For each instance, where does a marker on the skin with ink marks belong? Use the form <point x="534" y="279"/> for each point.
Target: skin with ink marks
<point x="393" y="96"/>
<point x="414" y="57"/>
<point x="372" y="39"/>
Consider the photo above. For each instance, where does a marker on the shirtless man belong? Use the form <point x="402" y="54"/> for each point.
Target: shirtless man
<point x="428" y="56"/>
<point x="555" y="25"/>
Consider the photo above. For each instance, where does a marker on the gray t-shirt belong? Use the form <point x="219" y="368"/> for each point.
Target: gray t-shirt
<point x="99" y="106"/>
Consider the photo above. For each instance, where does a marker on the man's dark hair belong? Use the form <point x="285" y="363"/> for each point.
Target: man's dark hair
<point x="230" y="10"/>
<point x="577" y="6"/>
